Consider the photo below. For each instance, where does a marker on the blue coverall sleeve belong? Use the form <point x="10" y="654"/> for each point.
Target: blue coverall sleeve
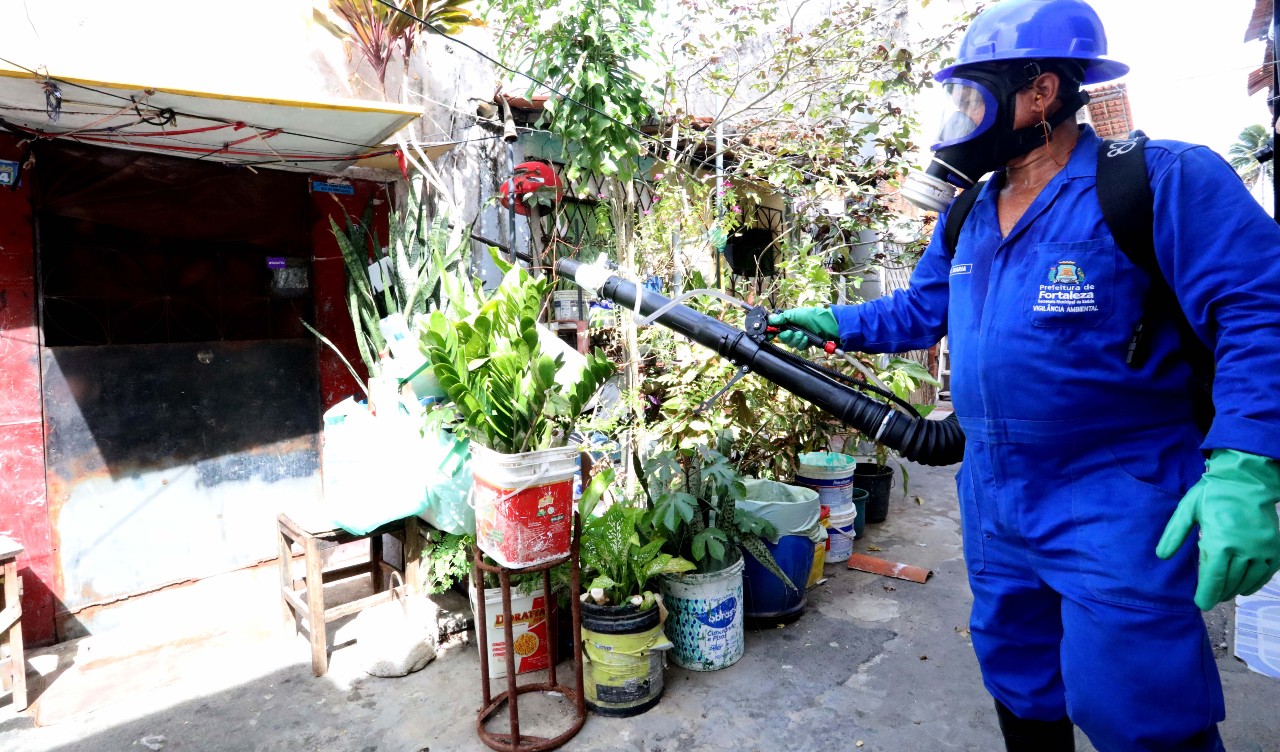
<point x="1220" y="253"/>
<point x="908" y="319"/>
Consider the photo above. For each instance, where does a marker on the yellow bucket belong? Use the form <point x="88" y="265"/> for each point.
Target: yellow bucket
<point x="819" y="550"/>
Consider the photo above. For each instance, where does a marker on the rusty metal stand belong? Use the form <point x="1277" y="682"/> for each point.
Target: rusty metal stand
<point x="513" y="741"/>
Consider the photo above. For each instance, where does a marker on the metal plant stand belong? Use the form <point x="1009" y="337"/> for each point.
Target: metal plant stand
<point x="513" y="741"/>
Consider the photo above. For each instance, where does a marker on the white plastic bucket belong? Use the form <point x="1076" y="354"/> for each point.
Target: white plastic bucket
<point x="831" y="475"/>
<point x="840" y="534"/>
<point x="564" y="305"/>
<point x="524" y="504"/>
<point x="704" y="620"/>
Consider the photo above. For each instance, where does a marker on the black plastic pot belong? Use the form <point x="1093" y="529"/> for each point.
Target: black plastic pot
<point x="626" y="619"/>
<point x="876" y="480"/>
<point x="626" y="685"/>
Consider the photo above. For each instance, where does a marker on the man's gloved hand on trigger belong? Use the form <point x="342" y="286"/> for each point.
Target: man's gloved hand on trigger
<point x="1235" y="506"/>
<point x="818" y="320"/>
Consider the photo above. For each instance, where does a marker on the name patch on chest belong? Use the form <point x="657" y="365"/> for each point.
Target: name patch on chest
<point x="1067" y="291"/>
<point x="961" y="269"/>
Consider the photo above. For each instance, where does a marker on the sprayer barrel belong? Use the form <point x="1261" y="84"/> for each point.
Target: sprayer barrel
<point x="927" y="442"/>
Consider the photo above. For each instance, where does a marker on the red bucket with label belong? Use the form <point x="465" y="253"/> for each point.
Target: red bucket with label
<point x="524" y="504"/>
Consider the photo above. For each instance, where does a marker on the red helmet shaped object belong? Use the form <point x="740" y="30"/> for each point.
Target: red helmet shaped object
<point x="529" y="178"/>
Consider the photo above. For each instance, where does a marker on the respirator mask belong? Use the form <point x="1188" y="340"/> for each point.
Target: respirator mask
<point x="977" y="134"/>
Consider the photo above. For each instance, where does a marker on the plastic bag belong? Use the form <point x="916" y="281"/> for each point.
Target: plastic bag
<point x="399" y="636"/>
<point x="793" y="510"/>
<point x="448" y="483"/>
<point x="372" y="472"/>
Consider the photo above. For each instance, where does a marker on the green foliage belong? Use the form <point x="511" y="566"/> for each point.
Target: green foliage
<point x="695" y="494"/>
<point x="423" y="268"/>
<point x="616" y="558"/>
<point x="493" y="369"/>
<point x="814" y="108"/>
<point x="1240" y="155"/>
<point x="768" y="427"/>
<point x="589" y="50"/>
<point x="448" y="560"/>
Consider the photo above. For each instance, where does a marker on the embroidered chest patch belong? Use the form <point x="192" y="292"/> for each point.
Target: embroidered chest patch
<point x="1066" y="291"/>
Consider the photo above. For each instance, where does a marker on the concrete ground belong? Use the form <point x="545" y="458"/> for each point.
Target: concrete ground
<point x="874" y="664"/>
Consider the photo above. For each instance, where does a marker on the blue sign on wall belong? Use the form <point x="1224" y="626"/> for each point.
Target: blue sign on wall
<point x="9" y="172"/>
<point x="342" y="189"/>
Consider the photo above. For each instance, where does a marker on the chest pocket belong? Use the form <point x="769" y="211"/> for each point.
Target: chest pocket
<point x="1071" y="284"/>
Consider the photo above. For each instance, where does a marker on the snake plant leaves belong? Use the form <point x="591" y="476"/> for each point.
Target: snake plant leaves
<point x="756" y="548"/>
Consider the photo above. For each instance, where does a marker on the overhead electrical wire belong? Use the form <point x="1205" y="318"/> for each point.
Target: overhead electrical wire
<point x="179" y="113"/>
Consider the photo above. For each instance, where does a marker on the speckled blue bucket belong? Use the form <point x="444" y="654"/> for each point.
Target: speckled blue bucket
<point x="704" y="619"/>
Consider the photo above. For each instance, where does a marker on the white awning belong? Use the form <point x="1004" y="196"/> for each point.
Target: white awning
<point x="324" y="136"/>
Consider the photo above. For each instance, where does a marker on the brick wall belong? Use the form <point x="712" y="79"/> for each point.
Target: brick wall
<point x="1109" y="112"/>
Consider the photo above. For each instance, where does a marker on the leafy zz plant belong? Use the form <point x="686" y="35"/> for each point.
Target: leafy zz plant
<point x="695" y="494"/>
<point x="616" y="556"/>
<point x="493" y="369"/>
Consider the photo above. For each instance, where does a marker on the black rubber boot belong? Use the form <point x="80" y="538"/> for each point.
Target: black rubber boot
<point x="1021" y="735"/>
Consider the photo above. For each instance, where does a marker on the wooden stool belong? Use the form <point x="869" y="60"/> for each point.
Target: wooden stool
<point x="307" y="601"/>
<point x="14" y="667"/>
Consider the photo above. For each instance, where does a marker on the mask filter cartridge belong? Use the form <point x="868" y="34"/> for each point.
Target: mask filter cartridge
<point x="928" y="191"/>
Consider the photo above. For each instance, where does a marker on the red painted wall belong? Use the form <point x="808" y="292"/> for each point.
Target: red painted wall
<point x="23" y="512"/>
<point x="332" y="317"/>
<point x="23" y="509"/>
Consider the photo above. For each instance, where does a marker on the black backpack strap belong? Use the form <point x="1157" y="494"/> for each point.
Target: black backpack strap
<point x="956" y="215"/>
<point x="1128" y="207"/>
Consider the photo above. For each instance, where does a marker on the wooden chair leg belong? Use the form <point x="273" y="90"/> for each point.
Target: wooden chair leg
<point x="375" y="562"/>
<point x="286" y="580"/>
<point x="17" y="658"/>
<point x="412" y="555"/>
<point x="315" y="609"/>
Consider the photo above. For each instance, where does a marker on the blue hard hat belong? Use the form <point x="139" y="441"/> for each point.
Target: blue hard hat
<point x="1035" y="30"/>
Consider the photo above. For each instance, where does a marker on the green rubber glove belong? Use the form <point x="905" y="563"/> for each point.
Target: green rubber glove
<point x="1235" y="506"/>
<point x="818" y="320"/>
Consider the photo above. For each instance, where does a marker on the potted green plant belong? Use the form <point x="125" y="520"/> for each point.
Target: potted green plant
<point x="420" y="269"/>
<point x="623" y="641"/>
<point x="518" y="407"/>
<point x="694" y="496"/>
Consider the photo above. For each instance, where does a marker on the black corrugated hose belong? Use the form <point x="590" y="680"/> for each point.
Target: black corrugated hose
<point x="929" y="442"/>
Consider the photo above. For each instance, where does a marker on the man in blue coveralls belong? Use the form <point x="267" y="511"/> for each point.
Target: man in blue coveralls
<point x="1084" y="475"/>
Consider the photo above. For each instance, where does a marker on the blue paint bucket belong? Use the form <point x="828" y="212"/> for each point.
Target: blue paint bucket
<point x="768" y="599"/>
